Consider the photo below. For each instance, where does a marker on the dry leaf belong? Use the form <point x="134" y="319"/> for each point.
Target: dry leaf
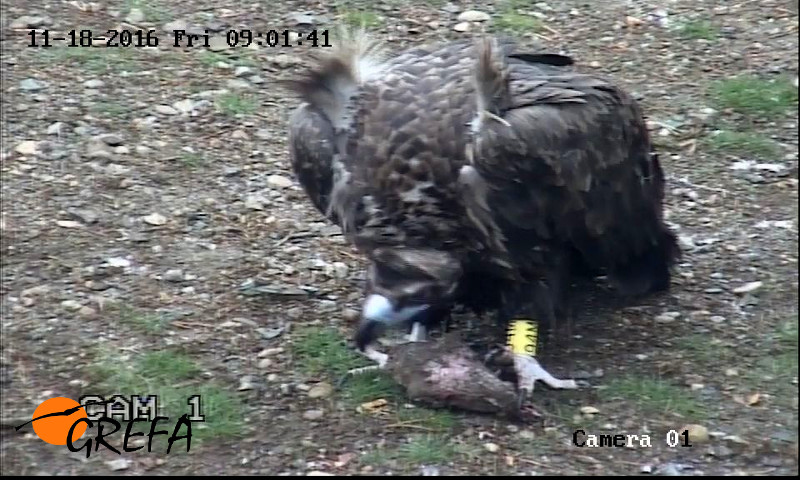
<point x="344" y="459"/>
<point x="373" y="406"/>
<point x="753" y="399"/>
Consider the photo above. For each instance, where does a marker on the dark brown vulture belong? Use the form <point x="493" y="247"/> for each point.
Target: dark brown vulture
<point x="474" y="174"/>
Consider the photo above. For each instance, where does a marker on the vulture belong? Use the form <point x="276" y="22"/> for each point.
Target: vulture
<point x="478" y="175"/>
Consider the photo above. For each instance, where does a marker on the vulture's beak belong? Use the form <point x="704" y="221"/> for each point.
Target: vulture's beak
<point x="379" y="314"/>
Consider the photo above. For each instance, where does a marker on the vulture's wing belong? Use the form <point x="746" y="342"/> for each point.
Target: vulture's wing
<point x="567" y="157"/>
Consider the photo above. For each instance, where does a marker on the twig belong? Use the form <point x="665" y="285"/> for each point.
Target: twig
<point x="534" y="462"/>
<point x="408" y="425"/>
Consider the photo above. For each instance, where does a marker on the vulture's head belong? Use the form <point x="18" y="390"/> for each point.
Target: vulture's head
<point x="403" y="284"/>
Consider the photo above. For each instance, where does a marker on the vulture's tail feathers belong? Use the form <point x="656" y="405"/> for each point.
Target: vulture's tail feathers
<point x="337" y="75"/>
<point x="491" y="82"/>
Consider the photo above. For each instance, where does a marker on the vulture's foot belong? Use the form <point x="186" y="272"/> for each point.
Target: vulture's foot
<point x="529" y="371"/>
<point x="418" y="334"/>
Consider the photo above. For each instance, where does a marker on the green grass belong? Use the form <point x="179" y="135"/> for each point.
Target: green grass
<point x="111" y="109"/>
<point x="698" y="30"/>
<point x="777" y="369"/>
<point x="705" y="350"/>
<point x="752" y="95"/>
<point x="359" y="18"/>
<point x="174" y="377"/>
<point x="440" y="420"/>
<point x="427" y="449"/>
<point x="516" y="23"/>
<point x="192" y="159"/>
<point x="146" y="322"/>
<point x="236" y="104"/>
<point x="653" y="396"/>
<point x="324" y="351"/>
<point x="742" y="143"/>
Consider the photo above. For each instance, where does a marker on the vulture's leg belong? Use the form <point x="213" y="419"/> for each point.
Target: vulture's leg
<point x="529" y="371"/>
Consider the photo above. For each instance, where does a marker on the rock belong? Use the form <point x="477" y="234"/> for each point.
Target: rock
<point x="184" y="106"/>
<point x="72" y="305"/>
<point x="241" y="71"/>
<point x="118" y="464"/>
<point x="320" y="390"/>
<point x="35" y="291"/>
<point x="155" y="219"/>
<point x="165" y="110"/>
<point x="668" y="317"/>
<point x="697" y="433"/>
<point x="55" y="128"/>
<point x="118" y="262"/>
<point x="268" y="352"/>
<point x="68" y="224"/>
<point x="173" y="275"/>
<point x="218" y="44"/>
<point x="28" y="147"/>
<point x="491" y="447"/>
<point x="30" y="21"/>
<point x="170" y="27"/>
<point x="589" y="410"/>
<point x="340" y="269"/>
<point x="319" y="473"/>
<point x="748" y="287"/>
<point x="111" y="139"/>
<point x="245" y="383"/>
<point x="237" y="84"/>
<point x="87" y="312"/>
<point x="254" y="202"/>
<point x="462" y="27"/>
<point x="315" y="414"/>
<point x="31" y="85"/>
<point x="301" y="19"/>
<point x="98" y="149"/>
<point x="135" y="16"/>
<point x="94" y="83"/>
<point x="279" y="181"/>
<point x="264" y="363"/>
<point x="86" y="216"/>
<point x="731" y="372"/>
<point x="474" y="16"/>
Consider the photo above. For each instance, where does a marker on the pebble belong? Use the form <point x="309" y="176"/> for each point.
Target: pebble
<point x="174" y="275"/>
<point x="87" y="312"/>
<point x="491" y="447"/>
<point x="135" y="16"/>
<point x="474" y="16"/>
<point x="315" y="414"/>
<point x="245" y="383"/>
<point x="697" y="433"/>
<point x="31" y="85"/>
<point x="241" y="71"/>
<point x="279" y="181"/>
<point x="71" y="305"/>
<point x="85" y="215"/>
<point x="668" y="317"/>
<point x="462" y="27"/>
<point x="589" y="410"/>
<point x="184" y="106"/>
<point x="155" y="219"/>
<point x="55" y="128"/>
<point x="218" y="44"/>
<point x="320" y="390"/>
<point x="166" y="110"/>
<point x="30" y="21"/>
<point x="267" y="352"/>
<point x="264" y="363"/>
<point x="119" y="464"/>
<point x="94" y="83"/>
<point x="748" y="287"/>
<point x="28" y="147"/>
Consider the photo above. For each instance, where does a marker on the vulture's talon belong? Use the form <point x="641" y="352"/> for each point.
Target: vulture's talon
<point x="529" y="371"/>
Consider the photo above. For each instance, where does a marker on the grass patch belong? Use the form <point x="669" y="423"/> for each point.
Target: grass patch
<point x="151" y="323"/>
<point x="777" y="369"/>
<point x="653" y="397"/>
<point x="325" y="351"/>
<point x="704" y="350"/>
<point x="111" y="109"/>
<point x="423" y="417"/>
<point x="516" y="23"/>
<point x="236" y="104"/>
<point x="422" y="449"/>
<point x="92" y="59"/>
<point x="742" y="143"/>
<point x="698" y="30"/>
<point x="359" y="18"/>
<point x="752" y="95"/>
<point x="173" y="376"/>
<point x="192" y="159"/>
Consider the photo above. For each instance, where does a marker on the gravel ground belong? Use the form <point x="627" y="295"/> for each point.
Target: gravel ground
<point x="154" y="240"/>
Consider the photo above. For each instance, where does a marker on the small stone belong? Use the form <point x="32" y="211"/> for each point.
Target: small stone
<point x="245" y="383"/>
<point x="94" y="83"/>
<point x="87" y="312"/>
<point x="135" y="16"/>
<point x="254" y="202"/>
<point x="319" y="473"/>
<point x="174" y="275"/>
<point x="111" y="139"/>
<point x="85" y="215"/>
<point x="72" y="305"/>
<point x="595" y="64"/>
<point x="184" y="106"/>
<point x="242" y="71"/>
<point x="118" y="464"/>
<point x="697" y="433"/>
<point x="268" y="352"/>
<point x="340" y="269"/>
<point x="170" y="27"/>
<point x="264" y="363"/>
<point x="668" y="317"/>
<point x="35" y="291"/>
<point x="55" y="128"/>
<point x="28" y="147"/>
<point x="350" y="315"/>
<point x="237" y="84"/>
<point x="646" y="469"/>
<point x="315" y="414"/>
<point x="118" y="262"/>
<point x="218" y="44"/>
<point x="462" y="27"/>
<point x="166" y="110"/>
<point x="717" y="319"/>
<point x="320" y="390"/>
<point x="588" y="410"/>
<point x="68" y="224"/>
<point x="279" y="181"/>
<point x="30" y="21"/>
<point x="474" y="16"/>
<point x="731" y="372"/>
<point x="491" y="447"/>
<point x="31" y="85"/>
<point x="155" y="219"/>
<point x="240" y="135"/>
<point x="748" y="287"/>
